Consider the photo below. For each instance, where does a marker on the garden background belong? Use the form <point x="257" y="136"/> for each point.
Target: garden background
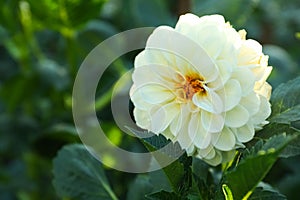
<point x="42" y="45"/>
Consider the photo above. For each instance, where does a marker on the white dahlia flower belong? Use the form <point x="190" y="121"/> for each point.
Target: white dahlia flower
<point x="203" y="85"/>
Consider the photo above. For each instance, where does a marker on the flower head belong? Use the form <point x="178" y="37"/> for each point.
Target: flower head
<point x="203" y="85"/>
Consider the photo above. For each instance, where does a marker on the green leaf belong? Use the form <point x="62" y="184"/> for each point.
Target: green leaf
<point x="266" y="192"/>
<point x="199" y="190"/>
<point x="160" y="177"/>
<point x="179" y="172"/>
<point x="292" y="149"/>
<point x="254" y="166"/>
<point x="285" y="102"/>
<point x="78" y="175"/>
<point x="139" y="188"/>
<point x="274" y="129"/>
<point x="163" y="195"/>
<point x="63" y="14"/>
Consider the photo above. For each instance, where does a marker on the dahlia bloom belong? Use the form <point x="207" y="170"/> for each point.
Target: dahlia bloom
<point x="202" y="84"/>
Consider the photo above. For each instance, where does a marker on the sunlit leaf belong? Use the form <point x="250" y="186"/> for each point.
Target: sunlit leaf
<point x="254" y="166"/>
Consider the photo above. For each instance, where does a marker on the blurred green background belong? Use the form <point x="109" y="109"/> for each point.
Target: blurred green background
<point x="42" y="45"/>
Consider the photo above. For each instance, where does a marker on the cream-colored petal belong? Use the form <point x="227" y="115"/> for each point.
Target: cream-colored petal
<point x="199" y="136"/>
<point x="264" y="111"/>
<point x="211" y="102"/>
<point x="245" y="133"/>
<point x="225" y="140"/>
<point x="231" y="94"/>
<point x="178" y="121"/>
<point x="236" y="117"/>
<point x="182" y="137"/>
<point x="245" y="78"/>
<point x="142" y="118"/>
<point x="250" y="52"/>
<point x="208" y="152"/>
<point x="186" y="24"/>
<point x="225" y="70"/>
<point x="156" y="93"/>
<point x="157" y="74"/>
<point x="212" y="47"/>
<point x="251" y="103"/>
<point x="212" y="122"/>
<point x="264" y="90"/>
<point x="138" y="100"/>
<point x="216" y="160"/>
<point x="161" y="117"/>
<point x="185" y="48"/>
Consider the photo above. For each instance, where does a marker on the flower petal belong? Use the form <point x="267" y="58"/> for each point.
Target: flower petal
<point x="251" y="103"/>
<point x="236" y="117"/>
<point x="231" y="94"/>
<point x="161" y="117"/>
<point x="184" y="140"/>
<point x="224" y="141"/>
<point x="156" y="93"/>
<point x="142" y="118"/>
<point x="207" y="153"/>
<point x="199" y="136"/>
<point x="263" y="112"/>
<point x="185" y="48"/>
<point x="245" y="78"/>
<point x="245" y="133"/>
<point x="224" y="71"/>
<point x="211" y="102"/>
<point x="216" y="160"/>
<point x="138" y="100"/>
<point x="212" y="122"/>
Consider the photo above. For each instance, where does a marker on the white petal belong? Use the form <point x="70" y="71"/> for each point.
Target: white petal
<point x="211" y="37"/>
<point x="137" y="99"/>
<point x="161" y="117"/>
<point x="245" y="78"/>
<point x="231" y="94"/>
<point x="183" y="139"/>
<point x="185" y="48"/>
<point x="155" y="73"/>
<point x="142" y="118"/>
<point x="212" y="122"/>
<point x="199" y="136"/>
<point x="251" y="103"/>
<point x="236" y="117"/>
<point x="263" y="89"/>
<point x="250" y="52"/>
<point x="216" y="160"/>
<point x="225" y="70"/>
<point x="264" y="111"/>
<point x="245" y="133"/>
<point x="178" y="121"/>
<point x="208" y="152"/>
<point x="225" y="140"/>
<point x="186" y="23"/>
<point x="155" y="93"/>
<point x="181" y="134"/>
<point x="210" y="101"/>
<point x="212" y="19"/>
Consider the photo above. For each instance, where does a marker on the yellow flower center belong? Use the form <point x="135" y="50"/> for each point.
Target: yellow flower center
<point x="191" y="85"/>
